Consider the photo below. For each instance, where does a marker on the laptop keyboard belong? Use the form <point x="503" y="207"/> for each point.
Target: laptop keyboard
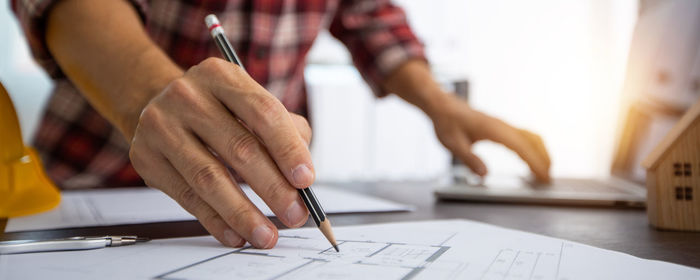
<point x="580" y="185"/>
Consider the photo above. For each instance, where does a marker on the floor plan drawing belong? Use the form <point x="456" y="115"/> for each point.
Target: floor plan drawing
<point x="448" y="249"/>
<point x="303" y="258"/>
<point x="527" y="264"/>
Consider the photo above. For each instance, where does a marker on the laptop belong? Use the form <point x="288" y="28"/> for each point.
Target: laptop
<point x="612" y="191"/>
<point x="654" y="50"/>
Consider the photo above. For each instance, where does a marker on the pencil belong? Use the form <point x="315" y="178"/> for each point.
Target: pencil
<point x="318" y="215"/>
<point x="307" y="195"/>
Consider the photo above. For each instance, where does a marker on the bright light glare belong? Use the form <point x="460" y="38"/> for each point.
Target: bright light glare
<point x="553" y="67"/>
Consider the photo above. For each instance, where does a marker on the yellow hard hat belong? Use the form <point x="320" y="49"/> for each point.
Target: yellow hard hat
<point x="24" y="187"/>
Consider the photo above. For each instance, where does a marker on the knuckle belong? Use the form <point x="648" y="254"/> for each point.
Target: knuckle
<point x="214" y="66"/>
<point x="178" y="85"/>
<point x="239" y="214"/>
<point x="189" y="200"/>
<point x="277" y="193"/>
<point x="269" y="109"/>
<point x="205" y="179"/>
<point x="152" y="122"/>
<point x="289" y="150"/>
<point x="209" y="218"/>
<point x="183" y="95"/>
<point x="243" y="149"/>
<point x="212" y="63"/>
<point x="181" y="91"/>
<point x="151" y="116"/>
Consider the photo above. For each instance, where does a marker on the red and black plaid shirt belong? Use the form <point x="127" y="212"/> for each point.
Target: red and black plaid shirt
<point x="82" y="149"/>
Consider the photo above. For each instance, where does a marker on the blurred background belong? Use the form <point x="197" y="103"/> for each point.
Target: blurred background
<point x="553" y="67"/>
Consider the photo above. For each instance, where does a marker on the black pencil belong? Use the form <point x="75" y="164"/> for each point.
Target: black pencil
<point x="310" y="200"/>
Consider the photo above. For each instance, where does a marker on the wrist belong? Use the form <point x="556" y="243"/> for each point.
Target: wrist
<point x="435" y="103"/>
<point x="414" y="82"/>
<point x="153" y="71"/>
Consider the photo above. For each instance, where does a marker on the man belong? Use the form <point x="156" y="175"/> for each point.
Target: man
<point x="141" y="71"/>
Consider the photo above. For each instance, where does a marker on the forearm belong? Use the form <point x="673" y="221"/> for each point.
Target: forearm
<point x="414" y="83"/>
<point x="104" y="50"/>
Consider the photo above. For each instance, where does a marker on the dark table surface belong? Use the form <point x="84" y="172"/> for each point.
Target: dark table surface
<point x="620" y="229"/>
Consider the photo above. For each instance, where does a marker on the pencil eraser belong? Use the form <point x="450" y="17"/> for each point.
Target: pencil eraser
<point x="211" y="20"/>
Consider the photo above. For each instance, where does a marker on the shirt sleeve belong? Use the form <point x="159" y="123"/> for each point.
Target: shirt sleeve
<point x="378" y="37"/>
<point x="32" y="14"/>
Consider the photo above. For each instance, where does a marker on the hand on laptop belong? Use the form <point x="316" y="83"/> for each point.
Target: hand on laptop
<point x="458" y="126"/>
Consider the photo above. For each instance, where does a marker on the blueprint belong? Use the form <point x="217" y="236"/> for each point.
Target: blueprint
<point x="450" y="249"/>
<point x="104" y="207"/>
<point x="299" y="257"/>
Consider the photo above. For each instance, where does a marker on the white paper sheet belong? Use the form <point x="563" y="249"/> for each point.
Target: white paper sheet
<point x="452" y="249"/>
<point x="145" y="205"/>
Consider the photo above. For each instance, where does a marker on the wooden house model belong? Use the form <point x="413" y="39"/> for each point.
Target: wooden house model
<point x="673" y="176"/>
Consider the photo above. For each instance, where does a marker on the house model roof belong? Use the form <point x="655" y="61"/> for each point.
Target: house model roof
<point x="690" y="117"/>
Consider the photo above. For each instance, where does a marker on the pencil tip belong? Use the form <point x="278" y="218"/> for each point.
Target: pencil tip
<point x="336" y="248"/>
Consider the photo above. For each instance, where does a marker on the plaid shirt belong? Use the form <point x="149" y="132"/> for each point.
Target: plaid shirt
<point x="81" y="149"/>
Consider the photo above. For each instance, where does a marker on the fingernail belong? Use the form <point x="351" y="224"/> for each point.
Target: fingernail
<point x="262" y="236"/>
<point x="232" y="238"/>
<point x="296" y="213"/>
<point x="302" y="175"/>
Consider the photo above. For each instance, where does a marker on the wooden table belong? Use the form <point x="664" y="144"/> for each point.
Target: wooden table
<point x="625" y="230"/>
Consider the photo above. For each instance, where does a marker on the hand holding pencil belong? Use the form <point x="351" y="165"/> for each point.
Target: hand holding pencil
<point x="195" y="122"/>
<point x="310" y="200"/>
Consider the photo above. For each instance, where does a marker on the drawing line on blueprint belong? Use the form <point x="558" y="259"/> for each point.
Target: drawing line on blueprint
<point x="406" y="259"/>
